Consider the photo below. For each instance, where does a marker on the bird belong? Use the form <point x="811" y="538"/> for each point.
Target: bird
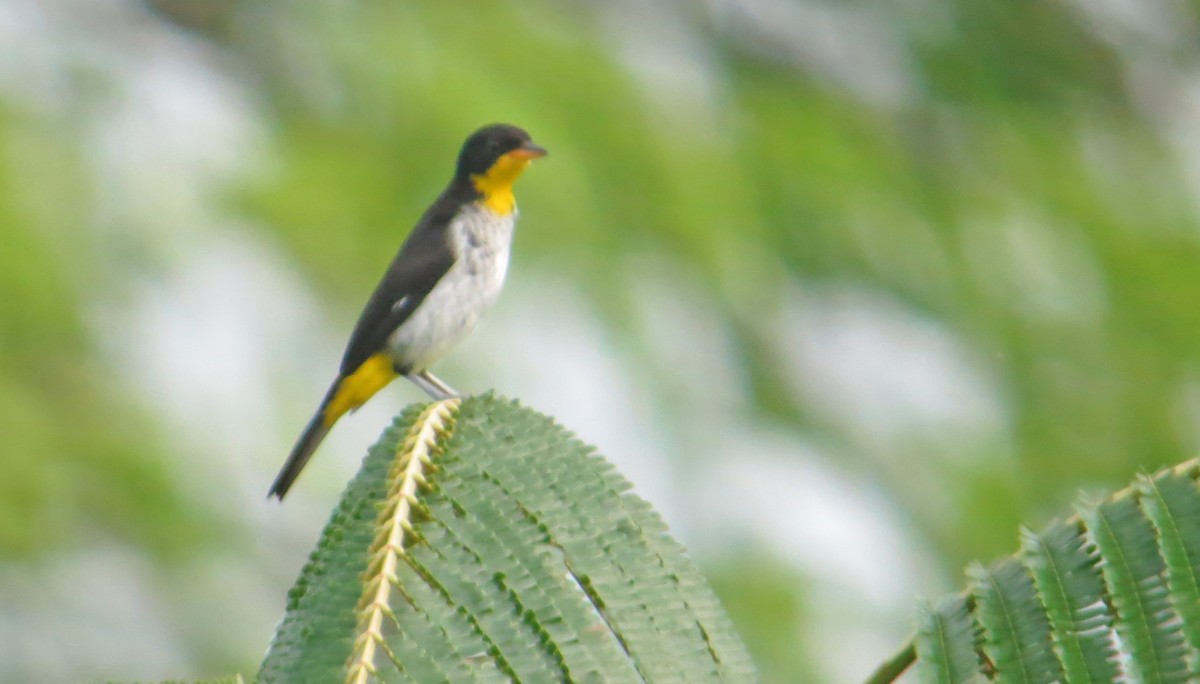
<point x="446" y="275"/>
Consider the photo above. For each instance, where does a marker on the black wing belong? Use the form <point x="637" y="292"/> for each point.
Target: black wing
<point x="422" y="261"/>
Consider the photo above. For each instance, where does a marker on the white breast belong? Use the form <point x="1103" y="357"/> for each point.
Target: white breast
<point x="480" y="241"/>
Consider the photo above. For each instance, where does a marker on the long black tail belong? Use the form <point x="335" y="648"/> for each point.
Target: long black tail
<point x="305" y="446"/>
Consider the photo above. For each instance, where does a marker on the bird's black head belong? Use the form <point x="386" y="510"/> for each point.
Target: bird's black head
<point x="489" y="144"/>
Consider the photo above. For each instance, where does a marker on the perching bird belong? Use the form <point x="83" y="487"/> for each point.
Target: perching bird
<point x="447" y="274"/>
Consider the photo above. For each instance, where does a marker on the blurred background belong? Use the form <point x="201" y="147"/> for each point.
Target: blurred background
<point x="850" y="290"/>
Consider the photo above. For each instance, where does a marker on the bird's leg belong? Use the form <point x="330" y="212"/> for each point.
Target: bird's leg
<point x="432" y="385"/>
<point x="446" y="390"/>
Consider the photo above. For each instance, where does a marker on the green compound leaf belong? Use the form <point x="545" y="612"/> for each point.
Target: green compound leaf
<point x="1112" y="594"/>
<point x="480" y="542"/>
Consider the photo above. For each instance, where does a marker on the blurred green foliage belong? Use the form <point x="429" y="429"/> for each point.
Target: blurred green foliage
<point x="1014" y="176"/>
<point x="770" y="610"/>
<point x="1014" y="195"/>
<point x="78" y="457"/>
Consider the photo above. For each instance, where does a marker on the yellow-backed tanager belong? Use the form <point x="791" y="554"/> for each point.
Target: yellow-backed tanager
<point x="447" y="274"/>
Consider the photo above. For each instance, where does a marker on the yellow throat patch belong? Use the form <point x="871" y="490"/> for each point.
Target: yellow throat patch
<point x="496" y="184"/>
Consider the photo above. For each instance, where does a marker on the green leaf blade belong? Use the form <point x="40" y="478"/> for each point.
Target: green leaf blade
<point x="1134" y="574"/>
<point x="946" y="644"/>
<point x="612" y="544"/>
<point x="1072" y="592"/>
<point x="1016" y="631"/>
<point x="1172" y="502"/>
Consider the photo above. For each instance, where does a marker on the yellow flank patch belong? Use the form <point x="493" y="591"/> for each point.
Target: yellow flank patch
<point x="496" y="184"/>
<point x="355" y="389"/>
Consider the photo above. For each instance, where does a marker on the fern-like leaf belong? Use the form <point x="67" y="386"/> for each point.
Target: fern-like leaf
<point x="1111" y="594"/>
<point x="482" y="543"/>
